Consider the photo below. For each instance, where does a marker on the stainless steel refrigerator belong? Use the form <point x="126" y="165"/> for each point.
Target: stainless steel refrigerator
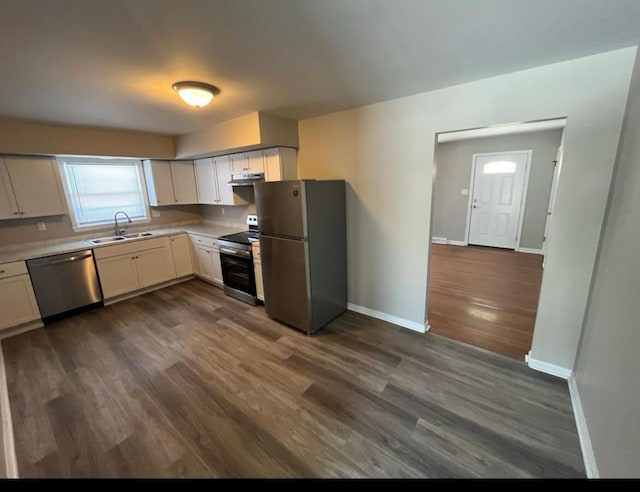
<point x="303" y="249"/>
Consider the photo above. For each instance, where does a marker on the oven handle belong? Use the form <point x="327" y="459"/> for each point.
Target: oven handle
<point x="235" y="252"/>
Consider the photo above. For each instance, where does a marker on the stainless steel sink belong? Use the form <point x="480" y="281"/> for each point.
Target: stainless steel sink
<point x="134" y="235"/>
<point x="111" y="239"/>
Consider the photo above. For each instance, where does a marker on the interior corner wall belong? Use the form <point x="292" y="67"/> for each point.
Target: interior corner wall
<point x="454" y="165"/>
<point x="385" y="151"/>
<point x="608" y="365"/>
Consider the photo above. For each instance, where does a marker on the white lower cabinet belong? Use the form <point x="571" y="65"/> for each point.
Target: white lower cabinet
<point x="125" y="268"/>
<point x="181" y="250"/>
<point x="257" y="271"/>
<point x="207" y="259"/>
<point x="18" y="303"/>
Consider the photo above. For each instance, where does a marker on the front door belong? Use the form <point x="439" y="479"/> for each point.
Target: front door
<point x="498" y="187"/>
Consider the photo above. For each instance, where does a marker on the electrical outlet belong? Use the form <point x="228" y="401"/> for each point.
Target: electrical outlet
<point x="42" y="226"/>
<point x="222" y="210"/>
<point x="155" y="213"/>
<point x="464" y="192"/>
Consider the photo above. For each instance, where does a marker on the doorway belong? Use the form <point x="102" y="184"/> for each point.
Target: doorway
<point x="490" y="205"/>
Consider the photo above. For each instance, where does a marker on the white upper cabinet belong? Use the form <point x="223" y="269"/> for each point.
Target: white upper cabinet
<point x="206" y="181"/>
<point x="212" y="178"/>
<point x="30" y="187"/>
<point x="255" y="162"/>
<point x="184" y="182"/>
<point x="280" y="164"/>
<point x="170" y="182"/>
<point x="239" y="163"/>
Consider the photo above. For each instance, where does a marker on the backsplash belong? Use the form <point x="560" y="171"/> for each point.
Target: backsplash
<point x="26" y="230"/>
<point x="233" y="216"/>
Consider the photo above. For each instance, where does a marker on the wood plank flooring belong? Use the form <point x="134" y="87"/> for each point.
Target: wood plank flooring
<point x="186" y="382"/>
<point x="487" y="297"/>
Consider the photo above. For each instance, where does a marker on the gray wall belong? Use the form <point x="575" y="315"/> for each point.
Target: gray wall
<point x="454" y="160"/>
<point x="26" y="230"/>
<point x="608" y="363"/>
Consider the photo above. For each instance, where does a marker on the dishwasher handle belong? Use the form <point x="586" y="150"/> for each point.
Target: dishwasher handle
<point x="44" y="262"/>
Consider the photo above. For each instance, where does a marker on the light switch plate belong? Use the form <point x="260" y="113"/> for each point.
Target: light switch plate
<point x="464" y="191"/>
<point x="155" y="213"/>
<point x="42" y="226"/>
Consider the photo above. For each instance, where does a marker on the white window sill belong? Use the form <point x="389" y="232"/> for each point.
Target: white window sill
<point x="111" y="225"/>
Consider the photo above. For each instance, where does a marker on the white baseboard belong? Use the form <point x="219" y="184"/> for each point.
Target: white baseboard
<point x="11" y="464"/>
<point x="546" y="367"/>
<point x="530" y="250"/>
<point x="456" y="243"/>
<point x="583" y="431"/>
<point x="405" y="323"/>
<point x="439" y="240"/>
<point x="17" y="330"/>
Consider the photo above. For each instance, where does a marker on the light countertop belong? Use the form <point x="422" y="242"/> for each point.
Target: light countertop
<point x="28" y="251"/>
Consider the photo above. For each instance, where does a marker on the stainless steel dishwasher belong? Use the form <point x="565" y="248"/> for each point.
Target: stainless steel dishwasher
<point x="64" y="283"/>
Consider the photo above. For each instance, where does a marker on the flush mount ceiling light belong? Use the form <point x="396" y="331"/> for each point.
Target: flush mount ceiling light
<point x="196" y="94"/>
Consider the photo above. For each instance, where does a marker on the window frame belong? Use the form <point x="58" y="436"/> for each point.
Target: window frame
<point x="69" y="194"/>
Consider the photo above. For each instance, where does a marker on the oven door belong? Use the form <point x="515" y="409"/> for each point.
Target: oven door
<point x="237" y="270"/>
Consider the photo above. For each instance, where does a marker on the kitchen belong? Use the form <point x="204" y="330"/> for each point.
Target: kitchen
<point x="215" y="239"/>
<point x="127" y="263"/>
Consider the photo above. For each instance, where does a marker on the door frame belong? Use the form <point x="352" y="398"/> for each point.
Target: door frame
<point x="525" y="189"/>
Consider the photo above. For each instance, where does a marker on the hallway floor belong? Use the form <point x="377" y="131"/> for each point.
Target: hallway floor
<point x="487" y="297"/>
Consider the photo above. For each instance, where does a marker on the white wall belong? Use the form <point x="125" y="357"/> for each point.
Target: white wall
<point x="608" y="362"/>
<point x="386" y="151"/>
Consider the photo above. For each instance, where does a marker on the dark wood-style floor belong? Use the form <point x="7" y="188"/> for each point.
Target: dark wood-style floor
<point x="487" y="297"/>
<point x="186" y="382"/>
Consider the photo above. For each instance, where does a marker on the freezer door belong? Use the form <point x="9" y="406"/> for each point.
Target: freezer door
<point x="281" y="209"/>
<point x="285" y="280"/>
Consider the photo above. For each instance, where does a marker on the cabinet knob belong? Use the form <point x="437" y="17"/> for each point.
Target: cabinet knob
<point x="2" y="271"/>
<point x="16" y="213"/>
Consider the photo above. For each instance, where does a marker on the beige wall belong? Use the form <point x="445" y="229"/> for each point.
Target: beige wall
<point x="608" y="361"/>
<point x="23" y="137"/>
<point x="386" y="151"/>
<point x="232" y="216"/>
<point x="26" y="230"/>
<point x="252" y="131"/>
<point x="453" y="173"/>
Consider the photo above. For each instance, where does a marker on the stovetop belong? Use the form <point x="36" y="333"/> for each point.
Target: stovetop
<point x="246" y="237"/>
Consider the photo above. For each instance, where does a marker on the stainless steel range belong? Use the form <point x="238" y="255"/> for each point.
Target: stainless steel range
<point x="237" y="262"/>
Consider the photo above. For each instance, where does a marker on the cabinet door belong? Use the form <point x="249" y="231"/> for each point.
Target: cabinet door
<point x="181" y="250"/>
<point x="272" y="167"/>
<point x="239" y="163"/>
<point x="255" y="161"/>
<point x="206" y="181"/>
<point x="184" y="182"/>
<point x="154" y="266"/>
<point x="118" y="275"/>
<point x="157" y="175"/>
<point x="8" y="204"/>
<point x="17" y="302"/>
<point x="217" y="266"/>
<point x="36" y="184"/>
<point x="205" y="262"/>
<point x="257" y="271"/>
<point x="223" y="167"/>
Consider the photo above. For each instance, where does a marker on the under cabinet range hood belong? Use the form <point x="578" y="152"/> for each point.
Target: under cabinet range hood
<point x="246" y="179"/>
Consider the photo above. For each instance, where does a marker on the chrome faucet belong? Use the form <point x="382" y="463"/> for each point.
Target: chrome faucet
<point x="120" y="230"/>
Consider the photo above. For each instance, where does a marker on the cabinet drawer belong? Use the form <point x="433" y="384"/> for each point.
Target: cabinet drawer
<point x="126" y="248"/>
<point x="204" y="241"/>
<point x="13" y="269"/>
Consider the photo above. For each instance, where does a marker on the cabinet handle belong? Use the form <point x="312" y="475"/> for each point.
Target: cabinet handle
<point x="16" y="213"/>
<point x="176" y="200"/>
<point x="2" y="271"/>
<point x="21" y="213"/>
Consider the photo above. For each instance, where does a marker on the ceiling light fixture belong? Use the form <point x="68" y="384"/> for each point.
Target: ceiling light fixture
<point x="197" y="94"/>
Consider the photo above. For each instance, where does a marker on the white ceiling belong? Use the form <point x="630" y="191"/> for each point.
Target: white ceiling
<point x="111" y="63"/>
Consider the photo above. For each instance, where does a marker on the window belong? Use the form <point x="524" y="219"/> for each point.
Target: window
<point x="96" y="189"/>
<point x="500" y="167"/>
